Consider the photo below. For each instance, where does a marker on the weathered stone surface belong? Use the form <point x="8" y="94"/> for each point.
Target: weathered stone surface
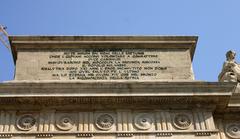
<point x="231" y="69"/>
<point x="104" y="64"/>
<point x="104" y="58"/>
<point x="234" y="103"/>
<point x="113" y="109"/>
<point x="119" y="123"/>
<point x="122" y="87"/>
<point x="116" y="94"/>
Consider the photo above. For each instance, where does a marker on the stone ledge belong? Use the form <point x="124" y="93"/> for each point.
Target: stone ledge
<point x="142" y="94"/>
<point x="130" y="88"/>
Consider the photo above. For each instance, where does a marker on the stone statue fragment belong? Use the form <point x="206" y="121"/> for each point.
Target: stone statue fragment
<point x="231" y="69"/>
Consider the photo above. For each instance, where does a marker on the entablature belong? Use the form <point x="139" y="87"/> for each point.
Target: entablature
<point x="118" y="94"/>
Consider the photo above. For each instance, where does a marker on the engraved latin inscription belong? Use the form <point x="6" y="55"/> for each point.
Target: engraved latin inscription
<point x="104" y="64"/>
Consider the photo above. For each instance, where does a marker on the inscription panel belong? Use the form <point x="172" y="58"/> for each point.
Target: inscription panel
<point x="105" y="64"/>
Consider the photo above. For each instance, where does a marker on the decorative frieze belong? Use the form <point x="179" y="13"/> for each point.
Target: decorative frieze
<point x="122" y="123"/>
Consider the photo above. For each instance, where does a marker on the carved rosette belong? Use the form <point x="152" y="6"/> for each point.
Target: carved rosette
<point x="182" y="121"/>
<point x="104" y="121"/>
<point x="26" y="122"/>
<point x="65" y="122"/>
<point x="233" y="131"/>
<point x="143" y="121"/>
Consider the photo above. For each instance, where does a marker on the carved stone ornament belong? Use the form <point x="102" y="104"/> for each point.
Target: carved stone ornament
<point x="143" y="121"/>
<point x="104" y="121"/>
<point x="64" y="122"/>
<point x="26" y="122"/>
<point x="182" y="121"/>
<point x="233" y="131"/>
<point x="231" y="69"/>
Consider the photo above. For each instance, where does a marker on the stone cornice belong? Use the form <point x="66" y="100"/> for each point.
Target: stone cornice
<point x="124" y="93"/>
<point x="119" y="88"/>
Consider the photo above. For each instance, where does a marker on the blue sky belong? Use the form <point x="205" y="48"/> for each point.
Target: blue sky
<point x="216" y="22"/>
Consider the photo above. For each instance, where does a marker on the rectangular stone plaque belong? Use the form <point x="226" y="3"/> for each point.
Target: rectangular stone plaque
<point x="105" y="64"/>
<point x="110" y="58"/>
